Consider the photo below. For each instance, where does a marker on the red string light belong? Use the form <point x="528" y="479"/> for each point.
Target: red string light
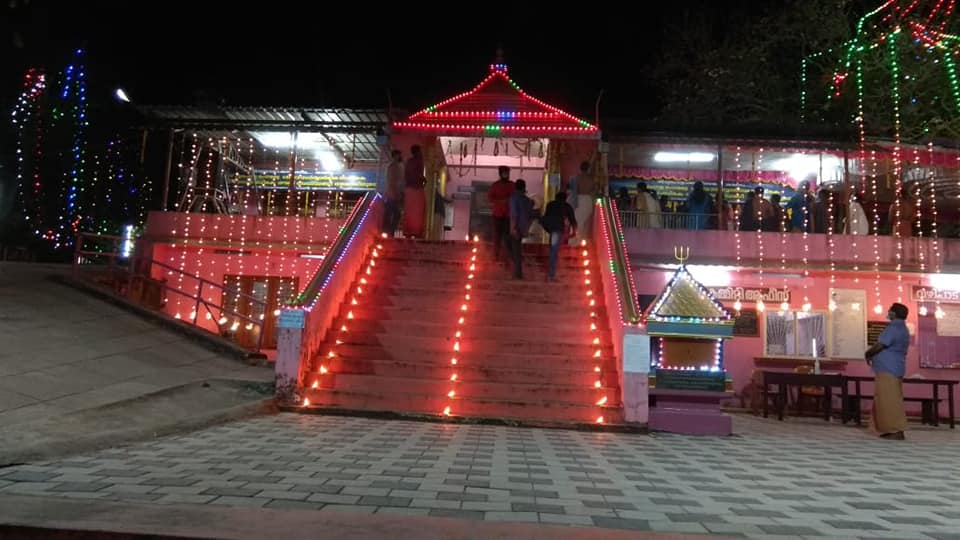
<point x="448" y="120"/>
<point x="323" y="369"/>
<point x="458" y="333"/>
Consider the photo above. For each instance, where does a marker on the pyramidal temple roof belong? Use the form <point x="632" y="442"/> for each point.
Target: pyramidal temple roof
<point x="687" y="308"/>
<point x="498" y="107"/>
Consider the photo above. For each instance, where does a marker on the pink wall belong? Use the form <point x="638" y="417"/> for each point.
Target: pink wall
<point x="718" y="247"/>
<point x="216" y="245"/>
<point x="232" y="228"/>
<point x="739" y="352"/>
<point x="213" y="267"/>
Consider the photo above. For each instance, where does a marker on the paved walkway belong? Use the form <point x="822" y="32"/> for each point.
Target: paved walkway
<point x="796" y="479"/>
<point x="64" y="351"/>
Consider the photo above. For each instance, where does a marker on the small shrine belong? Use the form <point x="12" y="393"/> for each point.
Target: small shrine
<point x="687" y="327"/>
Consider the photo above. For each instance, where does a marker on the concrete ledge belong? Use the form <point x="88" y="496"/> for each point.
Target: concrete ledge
<point x="50" y="518"/>
<point x="170" y="411"/>
<point x="510" y="422"/>
<point x="208" y="340"/>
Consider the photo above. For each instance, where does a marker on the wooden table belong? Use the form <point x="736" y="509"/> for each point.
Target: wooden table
<point x="935" y="383"/>
<point x="783" y="380"/>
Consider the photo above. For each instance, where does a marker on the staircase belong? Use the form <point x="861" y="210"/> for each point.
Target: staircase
<point x="441" y="329"/>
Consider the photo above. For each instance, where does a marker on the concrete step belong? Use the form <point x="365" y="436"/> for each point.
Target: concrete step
<point x="425" y="308"/>
<point x="536" y="346"/>
<point x="526" y="351"/>
<point x="509" y="291"/>
<point x="397" y="293"/>
<point x="482" y="257"/>
<point x="578" y="373"/>
<point x="535" y="321"/>
<point x="568" y="283"/>
<point x="572" y="332"/>
<point x="508" y="358"/>
<point x="545" y="391"/>
<point x="398" y="244"/>
<point x="508" y="410"/>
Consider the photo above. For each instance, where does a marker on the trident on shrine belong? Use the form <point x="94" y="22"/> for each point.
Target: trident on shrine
<point x="681" y="253"/>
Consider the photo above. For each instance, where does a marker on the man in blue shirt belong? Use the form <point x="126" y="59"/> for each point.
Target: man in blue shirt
<point x="888" y="358"/>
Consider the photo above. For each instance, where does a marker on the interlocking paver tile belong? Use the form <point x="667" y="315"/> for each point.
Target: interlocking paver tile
<point x="855" y="525"/>
<point x="622" y="523"/>
<point x="79" y="486"/>
<point x="599" y="491"/>
<point x="385" y="501"/>
<point x="826" y="510"/>
<point x="610" y="504"/>
<point x="783" y="530"/>
<point x="735" y="500"/>
<point x="664" y="483"/>
<point x="284" y="504"/>
<point x="26" y="476"/>
<point x="674" y="502"/>
<point x="911" y="520"/>
<point x="462" y="514"/>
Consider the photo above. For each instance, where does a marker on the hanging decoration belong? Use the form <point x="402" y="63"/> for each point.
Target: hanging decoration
<point x="738" y="217"/>
<point x="938" y="311"/>
<point x="27" y="119"/>
<point x="757" y="163"/>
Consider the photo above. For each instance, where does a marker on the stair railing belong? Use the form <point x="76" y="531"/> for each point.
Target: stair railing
<point x="608" y="237"/>
<point x="303" y="324"/>
<point x="136" y="277"/>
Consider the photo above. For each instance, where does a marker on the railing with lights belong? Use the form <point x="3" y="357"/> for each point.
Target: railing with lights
<point x="321" y="299"/>
<point x="331" y="262"/>
<point x="131" y="275"/>
<point x="616" y="271"/>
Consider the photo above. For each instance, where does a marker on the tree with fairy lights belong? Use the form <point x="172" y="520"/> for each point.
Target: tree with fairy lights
<point x="68" y="183"/>
<point x="712" y="73"/>
<point x="895" y="77"/>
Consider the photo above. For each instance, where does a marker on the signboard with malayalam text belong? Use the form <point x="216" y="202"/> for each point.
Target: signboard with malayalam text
<point x="933" y="294"/>
<point x="769" y="295"/>
<point x="704" y="381"/>
<point x="353" y="180"/>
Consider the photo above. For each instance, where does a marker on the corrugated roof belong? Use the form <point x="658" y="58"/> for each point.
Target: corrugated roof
<point x="352" y="131"/>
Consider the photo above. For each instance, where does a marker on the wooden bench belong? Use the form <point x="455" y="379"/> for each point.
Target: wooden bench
<point x="929" y="413"/>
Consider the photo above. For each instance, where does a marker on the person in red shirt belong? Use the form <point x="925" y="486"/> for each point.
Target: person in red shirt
<point x="499" y="197"/>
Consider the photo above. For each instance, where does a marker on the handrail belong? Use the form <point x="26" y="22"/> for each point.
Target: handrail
<point x="636" y="219"/>
<point x="335" y="253"/>
<point x="140" y="268"/>
<point x="622" y="273"/>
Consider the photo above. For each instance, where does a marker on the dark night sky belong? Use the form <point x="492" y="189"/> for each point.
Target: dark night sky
<point x="280" y="53"/>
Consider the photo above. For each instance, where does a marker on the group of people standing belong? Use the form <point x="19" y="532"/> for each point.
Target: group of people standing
<point x="697" y="208"/>
<point x="513" y="215"/>
<point x="404" y="195"/>
<point x="803" y="212"/>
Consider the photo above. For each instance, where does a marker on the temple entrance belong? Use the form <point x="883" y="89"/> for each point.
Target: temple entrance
<point x="466" y="139"/>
